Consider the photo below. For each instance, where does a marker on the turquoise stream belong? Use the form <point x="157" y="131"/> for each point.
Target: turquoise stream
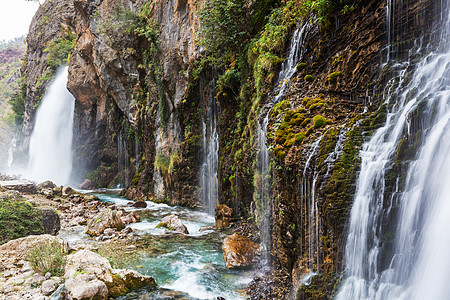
<point x="184" y="266"/>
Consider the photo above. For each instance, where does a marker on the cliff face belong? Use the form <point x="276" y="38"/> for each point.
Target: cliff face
<point x="120" y="101"/>
<point x="143" y="97"/>
<point x="52" y="22"/>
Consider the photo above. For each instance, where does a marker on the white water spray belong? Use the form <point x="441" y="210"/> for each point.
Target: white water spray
<point x="419" y="263"/>
<point x="209" y="182"/>
<point x="50" y="154"/>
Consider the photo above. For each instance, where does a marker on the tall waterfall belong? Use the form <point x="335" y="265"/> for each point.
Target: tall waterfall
<point x="263" y="192"/>
<point x="418" y="265"/>
<point x="50" y="153"/>
<point x="209" y="182"/>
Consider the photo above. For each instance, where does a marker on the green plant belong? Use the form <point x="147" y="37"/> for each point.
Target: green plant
<point x="162" y="162"/>
<point x="48" y="257"/>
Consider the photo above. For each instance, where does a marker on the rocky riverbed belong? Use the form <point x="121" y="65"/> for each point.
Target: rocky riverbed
<point x="107" y="240"/>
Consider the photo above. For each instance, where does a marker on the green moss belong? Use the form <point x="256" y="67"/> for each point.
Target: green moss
<point x="305" y="122"/>
<point x="18" y="219"/>
<point x="334" y="77"/>
<point x="279" y="108"/>
<point x="279" y="153"/>
<point x="301" y="66"/>
<point x="162" y="162"/>
<point x="309" y="131"/>
<point x="319" y="121"/>
<point x="316" y="105"/>
<point x="309" y="78"/>
<point x="299" y="137"/>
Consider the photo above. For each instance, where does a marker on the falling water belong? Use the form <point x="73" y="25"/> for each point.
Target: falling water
<point x="209" y="182"/>
<point x="11" y="149"/>
<point x="309" y="205"/>
<point x="123" y="160"/>
<point x="419" y="265"/>
<point x="263" y="191"/>
<point x="50" y="154"/>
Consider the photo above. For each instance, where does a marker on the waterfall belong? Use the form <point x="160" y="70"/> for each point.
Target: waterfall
<point x="122" y="160"/>
<point x="263" y="191"/>
<point x="209" y="182"/>
<point x="50" y="153"/>
<point x="417" y="265"/>
<point x="11" y="149"/>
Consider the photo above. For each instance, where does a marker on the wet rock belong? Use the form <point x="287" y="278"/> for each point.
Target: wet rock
<point x="139" y="204"/>
<point x="173" y="223"/>
<point x="96" y="267"/>
<point x="222" y="214"/>
<point x="132" y="217"/>
<point x="134" y="280"/>
<point x="238" y="251"/>
<point x="50" y="220"/>
<point x="46" y="185"/>
<point x="87" y="184"/>
<point x="105" y="219"/>
<point x="91" y="197"/>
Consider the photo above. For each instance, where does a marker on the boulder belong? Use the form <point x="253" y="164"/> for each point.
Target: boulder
<point x="173" y="223"/>
<point x="238" y="251"/>
<point x="139" y="204"/>
<point x="91" y="198"/>
<point x="67" y="190"/>
<point x="96" y="267"/>
<point x="23" y="186"/>
<point x="132" y="217"/>
<point x="86" y="287"/>
<point x="18" y="248"/>
<point x="87" y="184"/>
<point x="49" y="286"/>
<point x="60" y="293"/>
<point x="46" y="185"/>
<point x="107" y="218"/>
<point x="50" y="220"/>
<point x="222" y="214"/>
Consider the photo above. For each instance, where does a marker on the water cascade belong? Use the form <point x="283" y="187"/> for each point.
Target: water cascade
<point x="123" y="160"/>
<point x="209" y="182"/>
<point x="263" y="193"/>
<point x="11" y="149"/>
<point x="50" y="153"/>
<point x="413" y="263"/>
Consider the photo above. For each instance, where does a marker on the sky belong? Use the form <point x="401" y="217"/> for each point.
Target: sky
<point x="15" y="17"/>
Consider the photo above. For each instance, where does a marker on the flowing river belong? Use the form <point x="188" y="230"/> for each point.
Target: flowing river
<point x="184" y="266"/>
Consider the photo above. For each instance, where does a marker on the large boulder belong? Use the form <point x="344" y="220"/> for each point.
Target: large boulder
<point x="86" y="287"/>
<point x="87" y="184"/>
<point x="18" y="249"/>
<point x="117" y="282"/>
<point x="173" y="223"/>
<point x="222" y="214"/>
<point x="46" y="185"/>
<point x="238" y="251"/>
<point x="132" y="217"/>
<point x="107" y="218"/>
<point x="50" y="220"/>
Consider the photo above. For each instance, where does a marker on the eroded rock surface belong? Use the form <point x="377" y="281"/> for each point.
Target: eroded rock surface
<point x="105" y="219"/>
<point x="238" y="251"/>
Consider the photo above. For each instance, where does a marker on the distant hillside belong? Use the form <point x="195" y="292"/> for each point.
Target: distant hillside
<point x="11" y="54"/>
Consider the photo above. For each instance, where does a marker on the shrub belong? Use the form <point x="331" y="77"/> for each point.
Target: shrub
<point x="319" y="121"/>
<point x="162" y="162"/>
<point x="48" y="257"/>
<point x="18" y="219"/>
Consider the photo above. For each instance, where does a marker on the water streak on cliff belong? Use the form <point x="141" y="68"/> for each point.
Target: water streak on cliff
<point x="418" y="266"/>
